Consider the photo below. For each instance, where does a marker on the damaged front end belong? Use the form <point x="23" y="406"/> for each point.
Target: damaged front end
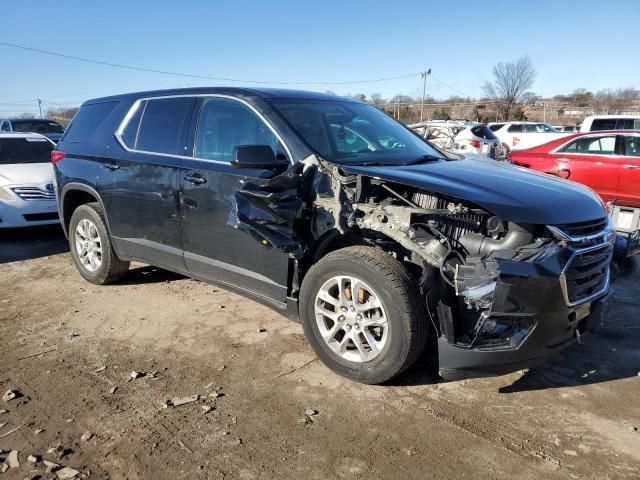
<point x="500" y="295"/>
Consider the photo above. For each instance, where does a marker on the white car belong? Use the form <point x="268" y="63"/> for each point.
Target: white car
<point x="520" y="135"/>
<point x="595" y="123"/>
<point x="461" y="137"/>
<point x="27" y="193"/>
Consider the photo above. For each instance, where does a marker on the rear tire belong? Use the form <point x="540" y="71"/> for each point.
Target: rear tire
<point x="91" y="247"/>
<point x="383" y="329"/>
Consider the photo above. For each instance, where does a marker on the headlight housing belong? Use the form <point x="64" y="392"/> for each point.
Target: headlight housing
<point x="5" y="194"/>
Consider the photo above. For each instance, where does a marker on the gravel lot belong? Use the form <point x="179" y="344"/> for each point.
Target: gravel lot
<point x="577" y="417"/>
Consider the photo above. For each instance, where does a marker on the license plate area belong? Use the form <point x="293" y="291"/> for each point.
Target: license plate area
<point x="626" y="219"/>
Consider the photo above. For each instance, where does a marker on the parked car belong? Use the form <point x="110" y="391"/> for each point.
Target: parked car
<point x="27" y="194"/>
<point x="461" y="137"/>
<point x="607" y="161"/>
<point x="334" y="214"/>
<point x="49" y="128"/>
<point x="610" y="122"/>
<point x="520" y="135"/>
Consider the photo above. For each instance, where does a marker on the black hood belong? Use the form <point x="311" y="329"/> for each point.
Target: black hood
<point x="513" y="193"/>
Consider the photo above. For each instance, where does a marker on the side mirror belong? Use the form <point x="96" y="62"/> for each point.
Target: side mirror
<point x="258" y="156"/>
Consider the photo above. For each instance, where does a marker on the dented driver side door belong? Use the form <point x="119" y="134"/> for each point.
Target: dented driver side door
<point x="214" y="249"/>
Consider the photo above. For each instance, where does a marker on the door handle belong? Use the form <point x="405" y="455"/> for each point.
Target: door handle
<point x="196" y="179"/>
<point x="629" y="165"/>
<point x="110" y="166"/>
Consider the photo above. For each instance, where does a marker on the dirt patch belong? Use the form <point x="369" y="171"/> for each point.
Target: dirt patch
<point x="573" y="418"/>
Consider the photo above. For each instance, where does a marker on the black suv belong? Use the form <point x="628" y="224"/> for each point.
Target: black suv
<point x="336" y="215"/>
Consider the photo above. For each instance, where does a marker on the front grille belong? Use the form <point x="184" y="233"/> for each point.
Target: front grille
<point x="582" y="229"/>
<point x="34" y="193"/>
<point x="40" y="217"/>
<point x="588" y="274"/>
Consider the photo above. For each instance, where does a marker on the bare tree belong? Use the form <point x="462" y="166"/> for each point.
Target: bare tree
<point x="613" y="101"/>
<point x="61" y="115"/>
<point x="511" y="81"/>
<point x="376" y="99"/>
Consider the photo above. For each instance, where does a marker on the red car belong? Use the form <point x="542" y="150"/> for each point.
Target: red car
<point x="606" y="161"/>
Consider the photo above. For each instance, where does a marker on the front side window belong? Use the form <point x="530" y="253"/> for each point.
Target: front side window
<point x="348" y="132"/>
<point x="628" y="124"/>
<point x="592" y="146"/>
<point x="224" y="124"/>
<point x="632" y="146"/>
<point x="25" y="150"/>
<point x="161" y="125"/>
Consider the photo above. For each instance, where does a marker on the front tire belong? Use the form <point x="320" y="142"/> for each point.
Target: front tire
<point x="362" y="313"/>
<point x="91" y="247"/>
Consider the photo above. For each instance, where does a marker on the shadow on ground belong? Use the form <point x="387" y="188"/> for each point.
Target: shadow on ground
<point x="33" y="242"/>
<point x="148" y="274"/>
<point x="610" y="353"/>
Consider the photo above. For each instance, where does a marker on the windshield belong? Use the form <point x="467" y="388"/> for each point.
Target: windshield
<point x="37" y="126"/>
<point x="25" y="150"/>
<point x="354" y="133"/>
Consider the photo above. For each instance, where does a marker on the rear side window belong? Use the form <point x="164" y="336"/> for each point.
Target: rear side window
<point x="37" y="126"/>
<point x="515" y="129"/>
<point x="603" y="124"/>
<point x="24" y="150"/>
<point x="592" y="146"/>
<point x="483" y="131"/>
<point x="161" y="125"/>
<point x="496" y="127"/>
<point x="87" y="120"/>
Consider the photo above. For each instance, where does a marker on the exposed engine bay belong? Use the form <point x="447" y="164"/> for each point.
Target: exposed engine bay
<point x="485" y="280"/>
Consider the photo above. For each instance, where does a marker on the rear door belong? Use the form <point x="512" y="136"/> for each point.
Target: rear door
<point x="213" y="249"/>
<point x="140" y="184"/>
<point x="629" y="185"/>
<point x="593" y="161"/>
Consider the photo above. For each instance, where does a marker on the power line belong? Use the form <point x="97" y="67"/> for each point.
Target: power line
<point x="202" y="77"/>
<point x="450" y="87"/>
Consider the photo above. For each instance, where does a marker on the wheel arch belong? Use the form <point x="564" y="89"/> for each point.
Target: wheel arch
<point x="72" y="196"/>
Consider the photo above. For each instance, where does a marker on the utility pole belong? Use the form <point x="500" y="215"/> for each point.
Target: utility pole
<point x="423" y="75"/>
<point x="40" y="107"/>
<point x="544" y="112"/>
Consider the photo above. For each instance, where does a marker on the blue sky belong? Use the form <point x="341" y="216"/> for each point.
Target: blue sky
<point x="572" y="44"/>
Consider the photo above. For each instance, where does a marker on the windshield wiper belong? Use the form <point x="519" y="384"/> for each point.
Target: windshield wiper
<point x="425" y="159"/>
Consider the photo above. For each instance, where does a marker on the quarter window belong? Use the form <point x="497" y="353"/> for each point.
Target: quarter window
<point x="161" y="125"/>
<point x="225" y="124"/>
<point x="515" y="129"/>
<point x="130" y="132"/>
<point x="592" y="146"/>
